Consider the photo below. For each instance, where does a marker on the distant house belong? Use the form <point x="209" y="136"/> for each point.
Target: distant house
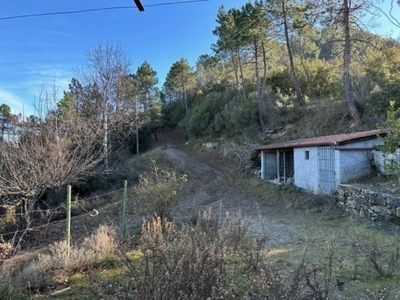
<point x="320" y="164"/>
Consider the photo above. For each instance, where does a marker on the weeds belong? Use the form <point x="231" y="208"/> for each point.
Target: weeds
<point x="55" y="266"/>
<point x="157" y="190"/>
<point x="185" y="263"/>
<point x="384" y="259"/>
<point x="8" y="292"/>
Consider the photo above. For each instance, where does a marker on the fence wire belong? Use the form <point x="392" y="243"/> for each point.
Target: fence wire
<point x="92" y="213"/>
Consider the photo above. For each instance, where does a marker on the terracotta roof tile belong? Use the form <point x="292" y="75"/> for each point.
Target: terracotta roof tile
<point x="323" y="140"/>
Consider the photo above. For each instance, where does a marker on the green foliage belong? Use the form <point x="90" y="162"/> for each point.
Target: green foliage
<point x="202" y="119"/>
<point x="222" y="113"/>
<point x="173" y="113"/>
<point x="379" y="98"/>
<point x="237" y="116"/>
<point x="180" y="82"/>
<point x="384" y="66"/>
<point x="5" y="111"/>
<point x="391" y="141"/>
<point x="317" y="77"/>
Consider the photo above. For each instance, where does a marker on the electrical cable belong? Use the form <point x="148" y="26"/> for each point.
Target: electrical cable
<point x="95" y="10"/>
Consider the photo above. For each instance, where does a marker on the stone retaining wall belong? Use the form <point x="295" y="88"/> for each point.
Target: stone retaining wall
<point x="368" y="203"/>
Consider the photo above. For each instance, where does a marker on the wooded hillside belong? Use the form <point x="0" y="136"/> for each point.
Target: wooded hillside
<point x="316" y="68"/>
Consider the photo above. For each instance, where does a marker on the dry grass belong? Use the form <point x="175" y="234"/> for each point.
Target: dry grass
<point x="221" y="258"/>
<point x="55" y="266"/>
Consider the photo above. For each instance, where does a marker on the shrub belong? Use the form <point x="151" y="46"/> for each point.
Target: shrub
<point x="383" y="258"/>
<point x="157" y="190"/>
<point x="102" y="242"/>
<point x="187" y="262"/>
<point x="55" y="266"/>
<point x="391" y="141"/>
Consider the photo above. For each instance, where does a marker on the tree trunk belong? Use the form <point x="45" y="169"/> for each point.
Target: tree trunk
<point x="105" y="135"/>
<point x="2" y="129"/>
<point x="260" y="93"/>
<point x="297" y="88"/>
<point x="235" y="70"/>
<point x="185" y="100"/>
<point x="353" y="106"/>
<point x="241" y="72"/>
<point x="264" y="78"/>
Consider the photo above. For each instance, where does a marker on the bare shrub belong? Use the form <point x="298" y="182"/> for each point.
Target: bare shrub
<point x="102" y="242"/>
<point x="307" y="281"/>
<point x="239" y="152"/>
<point x="235" y="230"/>
<point x="157" y="190"/>
<point x="384" y="259"/>
<point x="184" y="263"/>
<point x="45" y="157"/>
<point x="208" y="222"/>
<point x="55" y="266"/>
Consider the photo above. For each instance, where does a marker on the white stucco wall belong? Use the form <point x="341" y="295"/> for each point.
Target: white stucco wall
<point x="352" y="164"/>
<point x="349" y="164"/>
<point x="306" y="171"/>
<point x="382" y="161"/>
<point x="262" y="153"/>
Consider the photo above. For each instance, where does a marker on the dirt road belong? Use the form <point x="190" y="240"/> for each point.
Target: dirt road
<point x="211" y="187"/>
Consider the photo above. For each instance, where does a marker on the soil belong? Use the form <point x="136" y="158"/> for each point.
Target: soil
<point x="211" y="186"/>
<point x="289" y="227"/>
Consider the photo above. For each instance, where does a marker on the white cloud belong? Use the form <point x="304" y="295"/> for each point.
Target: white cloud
<point x="10" y="98"/>
<point x="16" y="103"/>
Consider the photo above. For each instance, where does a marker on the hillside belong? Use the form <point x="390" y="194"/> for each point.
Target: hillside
<point x="293" y="229"/>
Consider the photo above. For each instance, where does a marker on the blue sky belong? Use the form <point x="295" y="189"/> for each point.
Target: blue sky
<point x="37" y="51"/>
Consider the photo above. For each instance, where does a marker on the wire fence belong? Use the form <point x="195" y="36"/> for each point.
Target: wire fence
<point x="49" y="212"/>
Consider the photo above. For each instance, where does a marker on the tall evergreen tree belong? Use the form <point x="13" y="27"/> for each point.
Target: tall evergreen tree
<point x="254" y="19"/>
<point x="228" y="45"/>
<point x="345" y="15"/>
<point x="288" y="14"/>
<point x="180" y="79"/>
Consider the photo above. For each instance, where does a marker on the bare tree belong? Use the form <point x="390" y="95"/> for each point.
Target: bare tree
<point x="106" y="63"/>
<point x="47" y="156"/>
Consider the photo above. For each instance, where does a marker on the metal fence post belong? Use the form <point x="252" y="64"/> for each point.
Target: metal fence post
<point x="124" y="208"/>
<point x="68" y="234"/>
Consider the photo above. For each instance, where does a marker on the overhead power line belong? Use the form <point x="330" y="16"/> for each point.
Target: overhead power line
<point x="139" y="5"/>
<point x="81" y="11"/>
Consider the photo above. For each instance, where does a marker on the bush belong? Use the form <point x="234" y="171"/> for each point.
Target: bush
<point x="156" y="191"/>
<point x="55" y="266"/>
<point x="379" y="100"/>
<point x="185" y="263"/>
<point x="383" y="258"/>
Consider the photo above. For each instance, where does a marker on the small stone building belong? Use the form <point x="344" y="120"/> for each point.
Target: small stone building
<point x="320" y="164"/>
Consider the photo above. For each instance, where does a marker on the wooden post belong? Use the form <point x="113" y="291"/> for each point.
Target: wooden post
<point x="137" y="141"/>
<point x="124" y="208"/>
<point x="68" y="234"/>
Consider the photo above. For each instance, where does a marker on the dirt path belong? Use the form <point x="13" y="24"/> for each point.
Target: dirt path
<point x="210" y="187"/>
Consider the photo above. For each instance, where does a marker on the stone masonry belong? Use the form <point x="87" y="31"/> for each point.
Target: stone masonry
<point x="367" y="203"/>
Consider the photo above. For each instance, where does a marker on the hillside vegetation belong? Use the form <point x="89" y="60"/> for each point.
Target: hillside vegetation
<point x="227" y="235"/>
<point x="279" y="70"/>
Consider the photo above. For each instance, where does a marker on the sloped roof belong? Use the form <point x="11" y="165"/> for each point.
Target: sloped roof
<point x="338" y="139"/>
